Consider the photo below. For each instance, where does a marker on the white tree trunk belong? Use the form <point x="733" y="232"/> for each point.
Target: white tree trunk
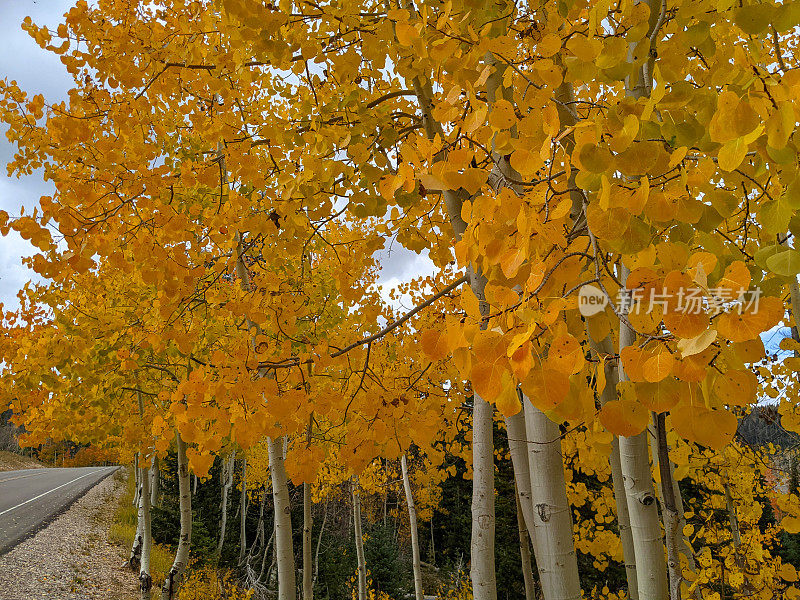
<point x="669" y="511"/>
<point x="145" y="579"/>
<point x="226" y="475"/>
<point x="412" y="519"/>
<point x="624" y="521"/>
<point x="362" y="566"/>
<point x="284" y="552"/>
<point x="136" y="547"/>
<point x="620" y="498"/>
<point x="524" y="549"/>
<point x="173" y="578"/>
<point x="243" y="513"/>
<point x="482" y="571"/>
<point x="552" y="514"/>
<point x="651" y="569"/>
<point x="155" y="481"/>
<point x="518" y="447"/>
<point x="308" y="524"/>
<point x="319" y="541"/>
<point x="137" y="489"/>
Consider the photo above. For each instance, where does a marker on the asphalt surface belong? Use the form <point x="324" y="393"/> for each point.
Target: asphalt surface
<point x="30" y="499"/>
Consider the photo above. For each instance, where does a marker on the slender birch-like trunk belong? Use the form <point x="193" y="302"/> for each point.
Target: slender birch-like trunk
<point x="243" y="513"/>
<point x="552" y="515"/>
<point x="226" y="475"/>
<point x="362" y="565"/>
<point x="433" y="548"/>
<point x="284" y="552"/>
<point x="266" y="552"/>
<point x="173" y="578"/>
<point x="412" y="519"/>
<point x="669" y="511"/>
<point x="145" y="579"/>
<point x="482" y="570"/>
<point x="733" y="518"/>
<point x="608" y="393"/>
<point x="261" y="536"/>
<point x="524" y="549"/>
<point x="308" y="523"/>
<point x="518" y="448"/>
<point x="134" y="558"/>
<point x="736" y="537"/>
<point x="319" y="541"/>
<point x="155" y="481"/>
<point x="686" y="548"/>
<point x="651" y="569"/>
<point x="137" y="489"/>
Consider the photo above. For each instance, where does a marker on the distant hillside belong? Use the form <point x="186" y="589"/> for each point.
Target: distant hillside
<point x="762" y="426"/>
<point x="9" y="461"/>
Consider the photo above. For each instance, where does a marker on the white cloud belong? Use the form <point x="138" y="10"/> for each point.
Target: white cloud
<point x="37" y="72"/>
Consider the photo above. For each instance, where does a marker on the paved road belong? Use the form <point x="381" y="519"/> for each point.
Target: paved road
<point x="29" y="499"/>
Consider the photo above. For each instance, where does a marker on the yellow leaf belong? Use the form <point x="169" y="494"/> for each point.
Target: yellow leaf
<point x="565" y="355"/>
<point x="434" y="345"/>
<point x="470" y="303"/>
<point x="624" y="417"/>
<point x="660" y="396"/>
<point x="388" y="185"/>
<point x="790" y="524"/>
<point x="697" y="344"/>
<point x="546" y="388"/>
<point x="595" y="158"/>
<point x="696" y="423"/>
<point x="736" y="387"/>
<point x="549" y="45"/>
<point x="780" y="126"/>
<point x="732" y="153"/>
<point x="508" y="401"/>
<point x="658" y="367"/>
<point x="512" y="260"/>
<point x="502" y="115"/>
<point x="406" y="33"/>
<point x="788" y="572"/>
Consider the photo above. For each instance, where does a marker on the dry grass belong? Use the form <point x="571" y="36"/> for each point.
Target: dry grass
<point x="123" y="530"/>
<point x="9" y="461"/>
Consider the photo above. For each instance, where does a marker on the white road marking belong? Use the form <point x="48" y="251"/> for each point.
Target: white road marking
<point x="45" y="493"/>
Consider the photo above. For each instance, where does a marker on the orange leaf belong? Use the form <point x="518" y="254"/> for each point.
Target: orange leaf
<point x="565" y="355"/>
<point x="712" y="428"/>
<point x="660" y="396"/>
<point x="546" y="388"/>
<point x="624" y="417"/>
<point x="434" y="344"/>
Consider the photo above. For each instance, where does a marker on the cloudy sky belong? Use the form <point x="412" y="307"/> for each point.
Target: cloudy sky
<point x="38" y="71"/>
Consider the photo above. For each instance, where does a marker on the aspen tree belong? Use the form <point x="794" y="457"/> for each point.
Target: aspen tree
<point x="361" y="573"/>
<point x="173" y="577"/>
<point x="412" y="519"/>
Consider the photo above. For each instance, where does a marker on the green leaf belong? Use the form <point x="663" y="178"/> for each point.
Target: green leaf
<point x="755" y="18"/>
<point x="786" y="263"/>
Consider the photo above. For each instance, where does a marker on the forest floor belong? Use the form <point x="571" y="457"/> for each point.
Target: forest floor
<point x="10" y="461"/>
<point x="72" y="558"/>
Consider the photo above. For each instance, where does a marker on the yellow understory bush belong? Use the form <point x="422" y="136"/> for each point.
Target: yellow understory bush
<point x="207" y="583"/>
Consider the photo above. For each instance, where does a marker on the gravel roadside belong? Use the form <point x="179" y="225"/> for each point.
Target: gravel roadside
<point x="72" y="558"/>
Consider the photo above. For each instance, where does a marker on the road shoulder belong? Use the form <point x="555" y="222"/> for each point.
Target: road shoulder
<point x="72" y="558"/>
